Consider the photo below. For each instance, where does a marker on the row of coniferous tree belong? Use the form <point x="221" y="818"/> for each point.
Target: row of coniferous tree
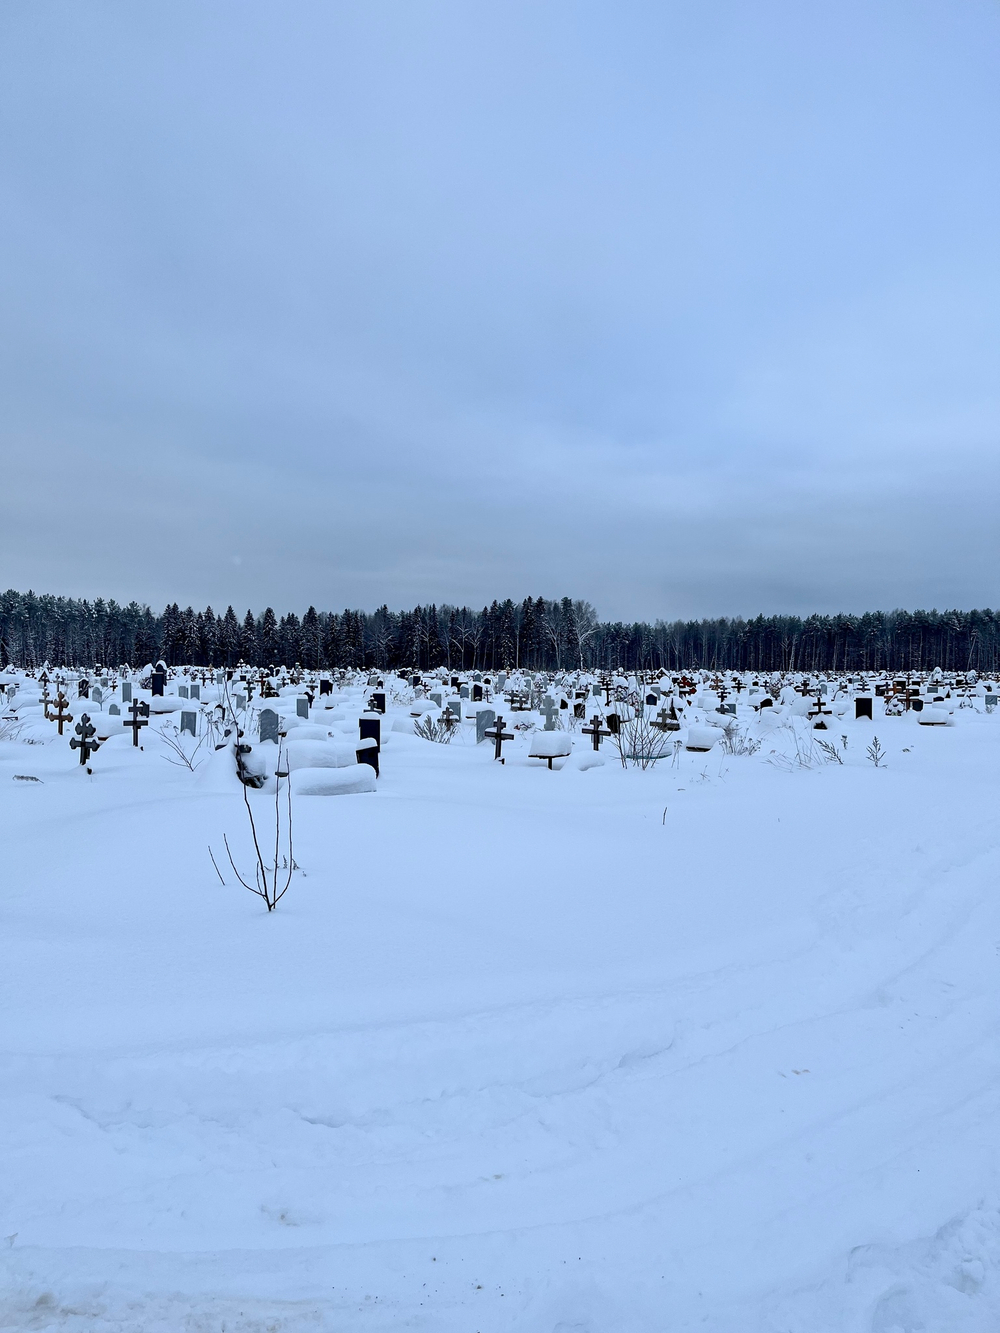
<point x="536" y="633"/>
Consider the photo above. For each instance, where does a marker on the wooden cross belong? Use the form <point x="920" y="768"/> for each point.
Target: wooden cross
<point x="595" y="731"/>
<point x="448" y="719"/>
<point x="84" y="729"/>
<point x="62" y="715"/>
<point x="666" y="721"/>
<point x="497" y="735"/>
<point x="140" y="718"/>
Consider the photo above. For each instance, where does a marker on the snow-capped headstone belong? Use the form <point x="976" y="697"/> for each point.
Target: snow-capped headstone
<point x="464" y="691"/>
<point x="157" y="682"/>
<point x="370" y="728"/>
<point x="267" y="725"/>
<point x="302" y="707"/>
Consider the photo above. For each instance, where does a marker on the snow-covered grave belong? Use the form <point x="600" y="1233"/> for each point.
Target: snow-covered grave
<point x="590" y="1001"/>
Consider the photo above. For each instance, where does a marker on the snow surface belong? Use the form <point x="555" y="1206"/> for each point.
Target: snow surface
<point x="711" y="1046"/>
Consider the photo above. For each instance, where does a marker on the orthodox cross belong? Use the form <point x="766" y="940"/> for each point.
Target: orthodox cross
<point x="84" y="729"/>
<point x="497" y="735"/>
<point x="666" y="721"/>
<point x="140" y="718"/>
<point x="448" y="719"/>
<point x="62" y="715"/>
<point x="550" y="710"/>
<point x="596" y="732"/>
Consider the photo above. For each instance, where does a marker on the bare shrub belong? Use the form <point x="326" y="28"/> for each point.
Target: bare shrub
<point x="431" y="728"/>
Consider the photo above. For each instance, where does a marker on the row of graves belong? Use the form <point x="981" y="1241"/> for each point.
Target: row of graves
<point x="325" y="732"/>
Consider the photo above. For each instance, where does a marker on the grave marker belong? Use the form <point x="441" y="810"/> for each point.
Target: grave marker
<point x="140" y="718"/>
<point x="189" y="723"/>
<point x="267" y="725"/>
<point x="484" y="719"/>
<point x="85" y="730"/>
<point x="596" y="732"/>
<point x="497" y="735"/>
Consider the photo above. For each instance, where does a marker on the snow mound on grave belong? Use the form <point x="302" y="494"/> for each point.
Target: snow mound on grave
<point x="703" y="738"/>
<point x="935" y="717"/>
<point x="171" y="703"/>
<point x="333" y="781"/>
<point x="304" y="754"/>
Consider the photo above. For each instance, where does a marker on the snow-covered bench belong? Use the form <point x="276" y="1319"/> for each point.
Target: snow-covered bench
<point x="549" y="745"/>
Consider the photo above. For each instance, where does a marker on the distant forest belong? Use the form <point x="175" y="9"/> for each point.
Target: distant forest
<point x="535" y="633"/>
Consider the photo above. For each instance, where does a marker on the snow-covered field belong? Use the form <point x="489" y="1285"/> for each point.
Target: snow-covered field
<point x="709" y="1046"/>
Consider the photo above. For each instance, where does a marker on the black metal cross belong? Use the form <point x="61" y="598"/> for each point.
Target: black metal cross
<point x="84" y="729"/>
<point x="497" y="735"/>
<point x="596" y="732"/>
<point x="140" y="718"/>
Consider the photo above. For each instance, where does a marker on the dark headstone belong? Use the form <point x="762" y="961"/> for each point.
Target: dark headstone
<point x="367" y="753"/>
<point x="477" y="694"/>
<point x="325" y="687"/>
<point x="370" y="728"/>
<point x="83" y="689"/>
<point x="862" y="707"/>
<point x="378" y="701"/>
<point x="614" y="723"/>
<point x="157" y="682"/>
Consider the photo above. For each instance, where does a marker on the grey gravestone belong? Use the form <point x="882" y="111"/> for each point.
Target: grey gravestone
<point x="436" y="699"/>
<point x="114" y="711"/>
<point x="267" y="725"/>
<point x="182" y="692"/>
<point x="477" y="676"/>
<point x="241" y="702"/>
<point x="302" y="708"/>
<point x="126" y="692"/>
<point x="464" y="692"/>
<point x="195" y="691"/>
<point x="484" y="720"/>
<point x="550" y="710"/>
<point x="456" y="707"/>
<point x="501" y="680"/>
<point x="97" y="695"/>
<point x="220" y="677"/>
<point x="189" y="723"/>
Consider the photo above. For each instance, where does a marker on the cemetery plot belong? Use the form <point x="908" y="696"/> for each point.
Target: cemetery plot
<point x="522" y="1044"/>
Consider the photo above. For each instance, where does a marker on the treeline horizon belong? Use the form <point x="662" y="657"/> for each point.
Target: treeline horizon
<point x="534" y="634"/>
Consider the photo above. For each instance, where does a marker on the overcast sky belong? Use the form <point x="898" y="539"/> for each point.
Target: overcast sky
<point x="684" y="308"/>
